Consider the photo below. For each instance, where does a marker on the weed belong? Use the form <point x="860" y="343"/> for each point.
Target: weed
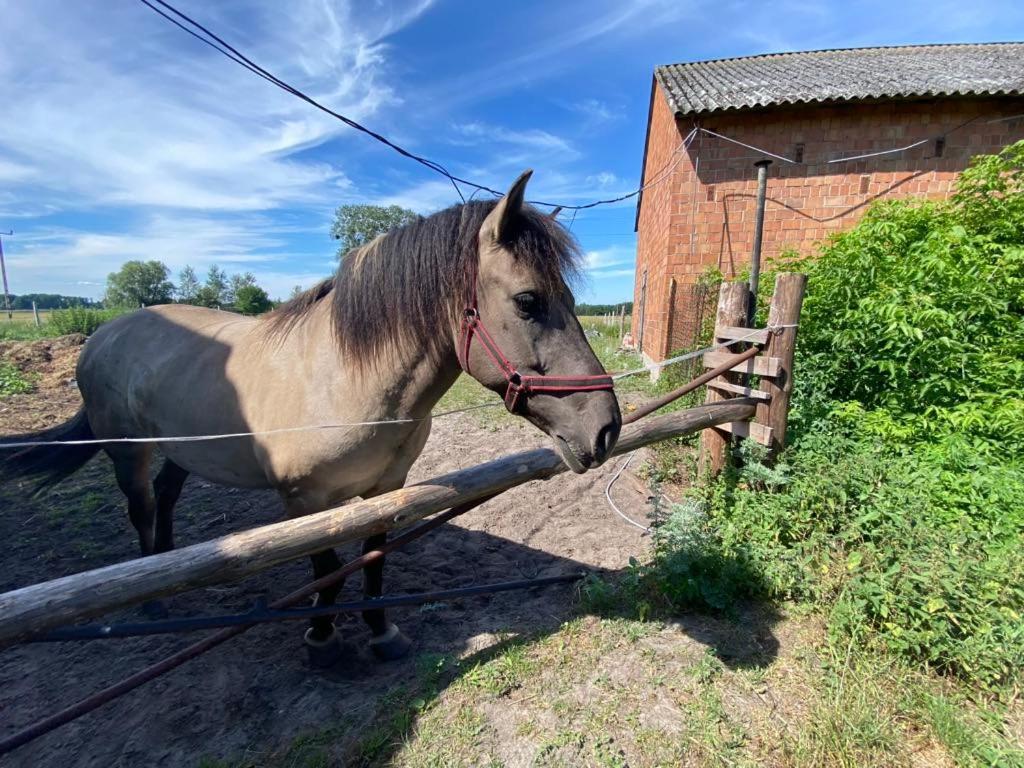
<point x="13" y="381"/>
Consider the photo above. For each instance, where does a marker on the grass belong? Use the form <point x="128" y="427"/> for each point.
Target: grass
<point x="16" y="330"/>
<point x="55" y="323"/>
<point x="616" y="692"/>
<point x="24" y="316"/>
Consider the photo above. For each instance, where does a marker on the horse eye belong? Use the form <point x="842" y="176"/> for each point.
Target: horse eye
<point x="528" y="303"/>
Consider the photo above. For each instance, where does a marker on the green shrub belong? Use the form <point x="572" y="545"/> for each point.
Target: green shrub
<point x="899" y="508"/>
<point x="12" y="380"/>
<point x="919" y="312"/>
<point x="80" y="320"/>
<point x="917" y="551"/>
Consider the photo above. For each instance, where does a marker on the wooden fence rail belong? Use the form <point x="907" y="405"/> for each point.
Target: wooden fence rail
<point x="34" y="609"/>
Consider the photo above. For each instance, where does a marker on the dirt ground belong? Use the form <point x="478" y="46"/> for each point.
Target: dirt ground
<point x="257" y="693"/>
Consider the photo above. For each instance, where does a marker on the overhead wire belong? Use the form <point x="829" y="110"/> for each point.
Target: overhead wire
<point x="202" y="33"/>
<point x="217" y="43"/>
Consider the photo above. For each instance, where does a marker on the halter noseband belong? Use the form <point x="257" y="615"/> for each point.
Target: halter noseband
<point x="519" y="386"/>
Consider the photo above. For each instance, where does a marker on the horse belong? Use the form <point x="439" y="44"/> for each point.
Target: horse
<point x="481" y="287"/>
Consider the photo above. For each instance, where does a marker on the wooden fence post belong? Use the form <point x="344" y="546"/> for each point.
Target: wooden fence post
<point x="785" y="310"/>
<point x="733" y="300"/>
<point x="35" y="314"/>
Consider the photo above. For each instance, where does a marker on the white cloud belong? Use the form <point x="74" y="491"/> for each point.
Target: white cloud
<point x="603" y="180"/>
<point x="534" y="139"/>
<point x="135" y="113"/>
<point x="567" y="29"/>
<point x="603" y="273"/>
<point x="594" y="112"/>
<point x="612" y="256"/>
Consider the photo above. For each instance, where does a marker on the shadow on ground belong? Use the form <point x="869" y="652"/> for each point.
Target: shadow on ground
<point x="255" y="700"/>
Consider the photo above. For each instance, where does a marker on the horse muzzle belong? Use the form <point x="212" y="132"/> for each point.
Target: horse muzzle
<point x="580" y="455"/>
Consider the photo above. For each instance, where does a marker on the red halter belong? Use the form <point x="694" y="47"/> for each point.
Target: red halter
<point x="519" y="385"/>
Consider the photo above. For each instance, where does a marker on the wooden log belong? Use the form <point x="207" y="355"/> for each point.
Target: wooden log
<point x="733" y="299"/>
<point x="785" y="310"/>
<point x="758" y="366"/>
<point x="34" y="609"/>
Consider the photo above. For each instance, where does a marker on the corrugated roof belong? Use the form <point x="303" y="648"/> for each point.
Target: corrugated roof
<point x="810" y="77"/>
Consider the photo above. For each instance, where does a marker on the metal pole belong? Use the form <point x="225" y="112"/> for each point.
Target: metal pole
<point x="35" y="314"/>
<point x="660" y="402"/>
<point x="261" y="615"/>
<point x="3" y="270"/>
<point x="755" y="259"/>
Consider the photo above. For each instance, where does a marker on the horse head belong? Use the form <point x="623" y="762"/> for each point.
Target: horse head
<point x="519" y="335"/>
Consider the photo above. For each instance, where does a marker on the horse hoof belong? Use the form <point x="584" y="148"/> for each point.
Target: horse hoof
<point x="323" y="653"/>
<point x="154" y="610"/>
<point x="390" y="646"/>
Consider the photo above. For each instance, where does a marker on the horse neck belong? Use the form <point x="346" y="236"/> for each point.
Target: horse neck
<point x="401" y="384"/>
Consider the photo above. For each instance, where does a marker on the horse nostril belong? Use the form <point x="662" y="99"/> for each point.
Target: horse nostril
<point x="606" y="440"/>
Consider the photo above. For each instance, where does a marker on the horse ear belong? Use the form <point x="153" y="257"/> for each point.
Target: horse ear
<point x="555" y="211"/>
<point x="500" y="220"/>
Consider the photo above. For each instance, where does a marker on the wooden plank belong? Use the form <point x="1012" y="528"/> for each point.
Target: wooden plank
<point x="733" y="300"/>
<point x="785" y="310"/>
<point x="737" y="389"/>
<point x="759" y="366"/>
<point x="751" y="429"/>
<point x="31" y="610"/>
<point x="734" y="332"/>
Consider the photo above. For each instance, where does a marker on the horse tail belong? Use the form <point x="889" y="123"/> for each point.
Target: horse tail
<point x="45" y="465"/>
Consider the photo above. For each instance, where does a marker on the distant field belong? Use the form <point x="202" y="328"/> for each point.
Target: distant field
<point x="599" y="321"/>
<point x="23" y="316"/>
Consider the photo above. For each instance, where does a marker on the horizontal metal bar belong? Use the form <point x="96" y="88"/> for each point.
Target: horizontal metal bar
<point x="262" y="614"/>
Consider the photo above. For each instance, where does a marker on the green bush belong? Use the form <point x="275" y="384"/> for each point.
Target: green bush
<point x="918" y="312"/>
<point x="80" y="320"/>
<point x="917" y="551"/>
<point x="899" y="507"/>
<point x="12" y="380"/>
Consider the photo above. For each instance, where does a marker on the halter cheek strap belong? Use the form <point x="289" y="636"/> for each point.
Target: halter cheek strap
<point x="519" y="386"/>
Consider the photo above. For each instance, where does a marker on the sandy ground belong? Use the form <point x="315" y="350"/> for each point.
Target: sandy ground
<point x="257" y="693"/>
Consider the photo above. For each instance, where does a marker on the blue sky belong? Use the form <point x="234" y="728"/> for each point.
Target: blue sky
<point x="122" y="138"/>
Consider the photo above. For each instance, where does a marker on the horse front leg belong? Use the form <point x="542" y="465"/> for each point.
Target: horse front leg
<point x="387" y="641"/>
<point x="322" y="639"/>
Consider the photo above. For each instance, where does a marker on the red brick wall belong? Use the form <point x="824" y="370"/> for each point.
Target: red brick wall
<point x="703" y="215"/>
<point x="654" y="239"/>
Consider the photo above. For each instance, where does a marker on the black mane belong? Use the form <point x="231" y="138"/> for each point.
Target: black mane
<point x="408" y="287"/>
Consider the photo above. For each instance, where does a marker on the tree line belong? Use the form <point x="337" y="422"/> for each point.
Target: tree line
<point x="604" y="309"/>
<point x="145" y="283"/>
<point x="50" y="301"/>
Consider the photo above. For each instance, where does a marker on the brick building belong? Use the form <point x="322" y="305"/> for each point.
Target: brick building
<point x="823" y="115"/>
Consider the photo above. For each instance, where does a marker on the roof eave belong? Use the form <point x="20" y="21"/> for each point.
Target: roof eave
<point x="809" y="103"/>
